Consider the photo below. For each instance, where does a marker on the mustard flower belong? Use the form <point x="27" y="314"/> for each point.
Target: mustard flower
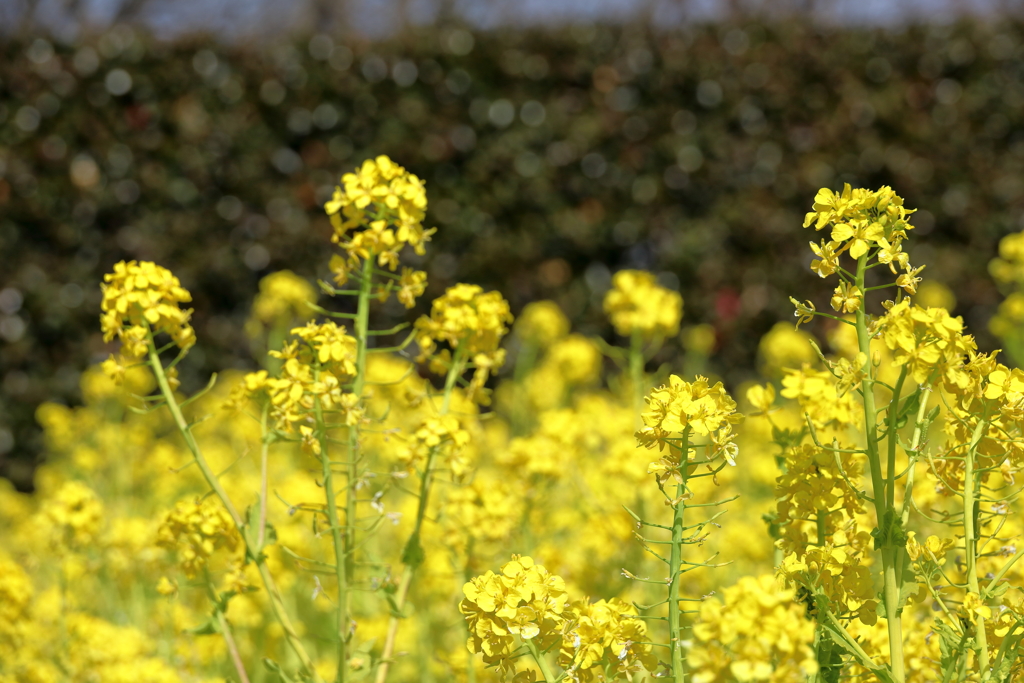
<point x="542" y="323"/>
<point x="605" y="638"/>
<point x="785" y="347"/>
<point x="72" y="516"/>
<point x="137" y="294"/>
<point x="525" y="600"/>
<point x="16" y="594"/>
<point x="375" y="212"/>
<point x="195" y="530"/>
<point x="1009" y="267"/>
<point x="283" y="297"/>
<point x="471" y="322"/>
<point x="862" y="220"/>
<point x="847" y="298"/>
<point x="576" y="358"/>
<point x="757" y="631"/>
<point x="928" y="341"/>
<point x="696" y="405"/>
<point x="637" y="303"/>
<point x="444" y="435"/>
<point x="818" y="395"/>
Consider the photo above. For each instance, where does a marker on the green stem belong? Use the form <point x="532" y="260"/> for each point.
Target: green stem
<point x="412" y="555"/>
<point x="345" y="536"/>
<point x="881" y="494"/>
<point x="264" y="453"/>
<point x="225" y="628"/>
<point x="894" y="411"/>
<point x="337" y="536"/>
<point x="211" y="479"/>
<point x="542" y="663"/>
<point x="675" y="630"/>
<point x="972" y="486"/>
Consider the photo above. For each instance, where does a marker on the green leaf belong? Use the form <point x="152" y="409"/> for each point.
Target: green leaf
<point x="412" y="554"/>
<point x="910" y="405"/>
<point x="274" y="667"/>
<point x="830" y="658"/>
<point x="211" y="627"/>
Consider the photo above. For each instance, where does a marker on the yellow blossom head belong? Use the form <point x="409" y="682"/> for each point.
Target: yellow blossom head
<point x="864" y="223"/>
<point x="72" y="516"/>
<point x="376" y="211"/>
<point x="637" y="303"/>
<point x="542" y="323"/>
<point x="139" y="298"/>
<point x="472" y="322"/>
<point x="283" y="298"/>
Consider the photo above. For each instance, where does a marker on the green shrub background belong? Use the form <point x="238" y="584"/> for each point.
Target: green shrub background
<point x="711" y="142"/>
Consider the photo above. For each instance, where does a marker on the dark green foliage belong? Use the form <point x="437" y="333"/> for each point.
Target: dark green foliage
<point x="551" y="158"/>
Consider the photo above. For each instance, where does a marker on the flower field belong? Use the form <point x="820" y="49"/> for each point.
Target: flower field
<point x="376" y="504"/>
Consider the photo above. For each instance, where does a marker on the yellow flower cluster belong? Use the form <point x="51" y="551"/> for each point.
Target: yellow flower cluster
<point x="841" y="570"/>
<point x="812" y="485"/>
<point x="1009" y="267"/>
<point x="636" y="303"/>
<point x="15" y="597"/>
<point x="444" y="435"/>
<point x="819" y="397"/>
<point x="756" y="632"/>
<point x="488" y="511"/>
<point x="72" y="517"/>
<point x="524" y="600"/>
<point x="542" y="323"/>
<point x="606" y="641"/>
<point x="138" y="297"/>
<point x="388" y="203"/>
<point x="283" y="298"/>
<point x="692" y="408"/>
<point x="862" y="220"/>
<point x="928" y="341"/>
<point x="470" y="321"/>
<point x="195" y="530"/>
<point x="317" y="369"/>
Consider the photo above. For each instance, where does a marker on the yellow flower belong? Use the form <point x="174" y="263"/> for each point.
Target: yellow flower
<point x="524" y="599"/>
<point x="73" y="516"/>
<point x="411" y="285"/>
<point x="388" y="203"/>
<point x="470" y="321"/>
<point x="862" y="234"/>
<point x="637" y="303"/>
<point x="847" y="298"/>
<point x="138" y="297"/>
<point x="762" y="397"/>
<point x="762" y="627"/>
<point x="973" y="608"/>
<point x="805" y="312"/>
<point x="195" y="530"/>
<point x="828" y="262"/>
<point x="283" y="297"/>
<point x="542" y="323"/>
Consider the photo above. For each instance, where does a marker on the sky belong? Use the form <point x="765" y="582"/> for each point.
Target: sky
<point x="375" y="18"/>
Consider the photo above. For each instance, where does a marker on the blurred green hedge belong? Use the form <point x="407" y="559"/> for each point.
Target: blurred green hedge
<point x="552" y="158"/>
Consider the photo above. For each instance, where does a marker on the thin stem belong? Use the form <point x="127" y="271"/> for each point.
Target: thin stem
<point x="412" y="555"/>
<point x="211" y="479"/>
<point x="225" y="629"/>
<point x="339" y="540"/>
<point x="885" y="515"/>
<point x="264" y="452"/>
<point x="345" y="539"/>
<point x="542" y="663"/>
<point x="675" y="630"/>
<point x="972" y="486"/>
